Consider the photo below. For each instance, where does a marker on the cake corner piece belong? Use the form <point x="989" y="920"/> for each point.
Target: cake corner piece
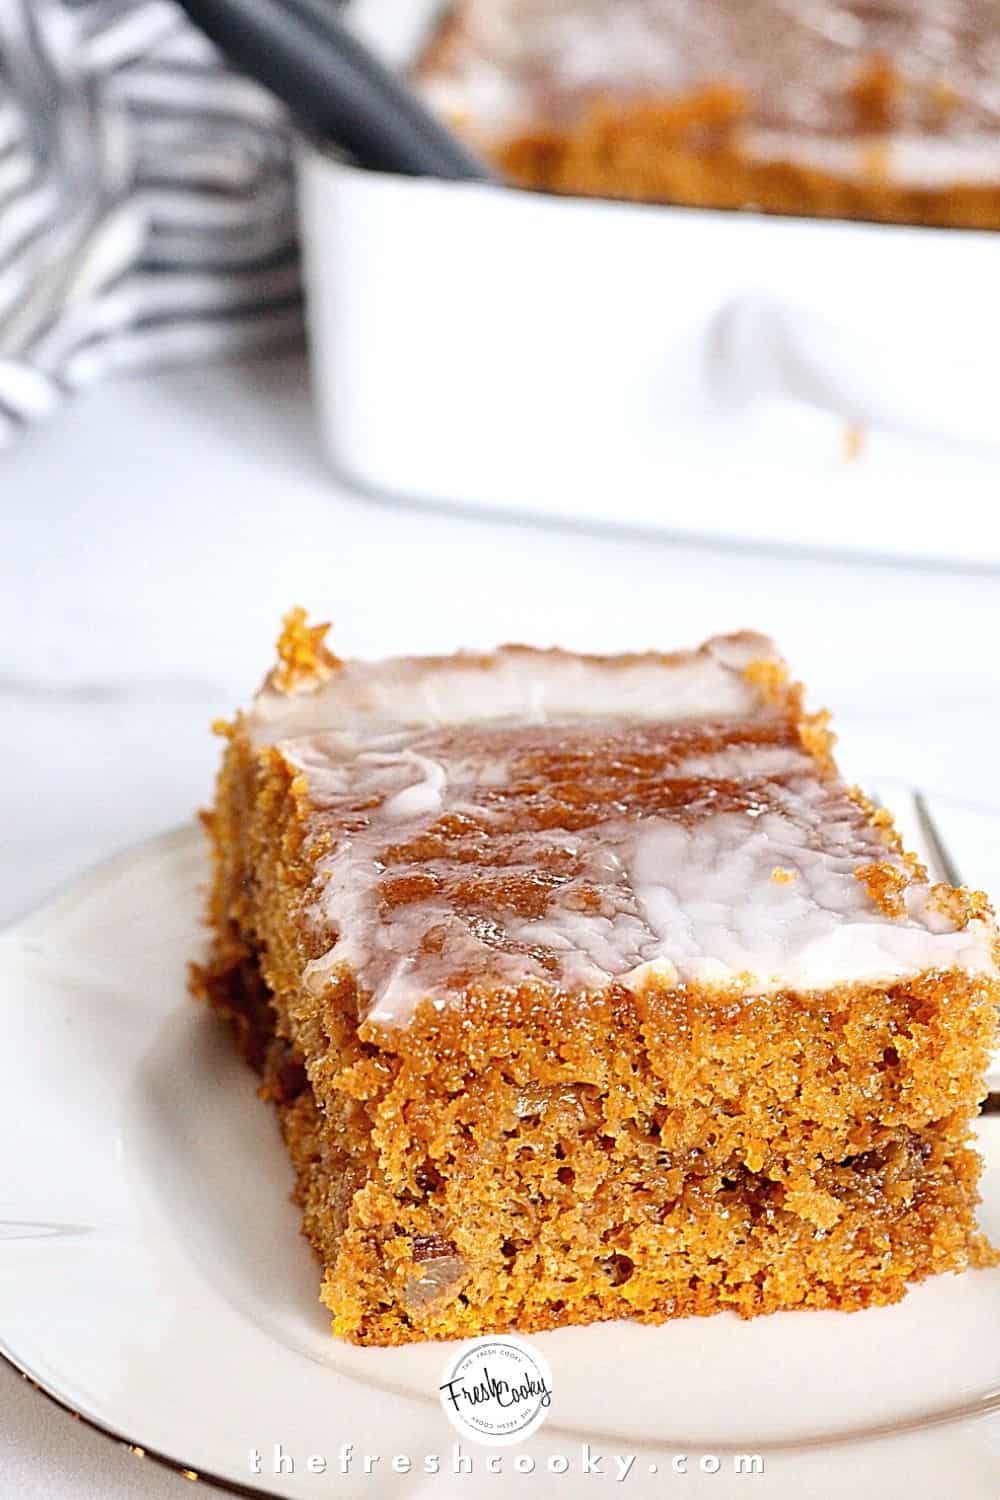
<point x="586" y="988"/>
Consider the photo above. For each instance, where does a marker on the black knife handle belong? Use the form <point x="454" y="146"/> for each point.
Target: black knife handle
<point x="334" y="85"/>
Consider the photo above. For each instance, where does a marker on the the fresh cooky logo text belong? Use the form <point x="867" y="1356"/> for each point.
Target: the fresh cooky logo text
<point x="497" y="1391"/>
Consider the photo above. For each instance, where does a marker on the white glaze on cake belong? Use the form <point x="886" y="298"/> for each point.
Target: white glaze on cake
<point x="542" y="816"/>
<point x="511" y="65"/>
<point x="516" y="683"/>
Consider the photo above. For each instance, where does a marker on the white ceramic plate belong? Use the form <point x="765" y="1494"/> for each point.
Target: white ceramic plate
<point x="152" y="1277"/>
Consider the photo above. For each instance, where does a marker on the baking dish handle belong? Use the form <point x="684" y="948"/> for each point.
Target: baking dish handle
<point x="905" y="382"/>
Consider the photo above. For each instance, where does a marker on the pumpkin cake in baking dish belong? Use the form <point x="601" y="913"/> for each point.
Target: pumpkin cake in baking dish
<point x="586" y="989"/>
<point x="831" y="108"/>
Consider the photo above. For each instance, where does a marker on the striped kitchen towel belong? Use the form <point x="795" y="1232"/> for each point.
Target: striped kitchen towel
<point x="146" y="203"/>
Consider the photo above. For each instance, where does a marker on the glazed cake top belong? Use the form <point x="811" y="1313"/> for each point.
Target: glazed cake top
<point x="486" y="820"/>
<point x="809" y="72"/>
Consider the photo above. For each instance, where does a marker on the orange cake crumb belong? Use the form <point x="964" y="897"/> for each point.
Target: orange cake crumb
<point x="303" y="657"/>
<point x="885" y="884"/>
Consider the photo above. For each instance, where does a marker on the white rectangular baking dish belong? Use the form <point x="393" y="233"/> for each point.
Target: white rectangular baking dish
<point x="726" y="373"/>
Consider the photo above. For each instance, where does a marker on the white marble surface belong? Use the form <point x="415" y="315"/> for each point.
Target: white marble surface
<point x="152" y="539"/>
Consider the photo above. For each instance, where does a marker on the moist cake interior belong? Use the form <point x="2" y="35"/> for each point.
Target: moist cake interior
<point x="585" y="988"/>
